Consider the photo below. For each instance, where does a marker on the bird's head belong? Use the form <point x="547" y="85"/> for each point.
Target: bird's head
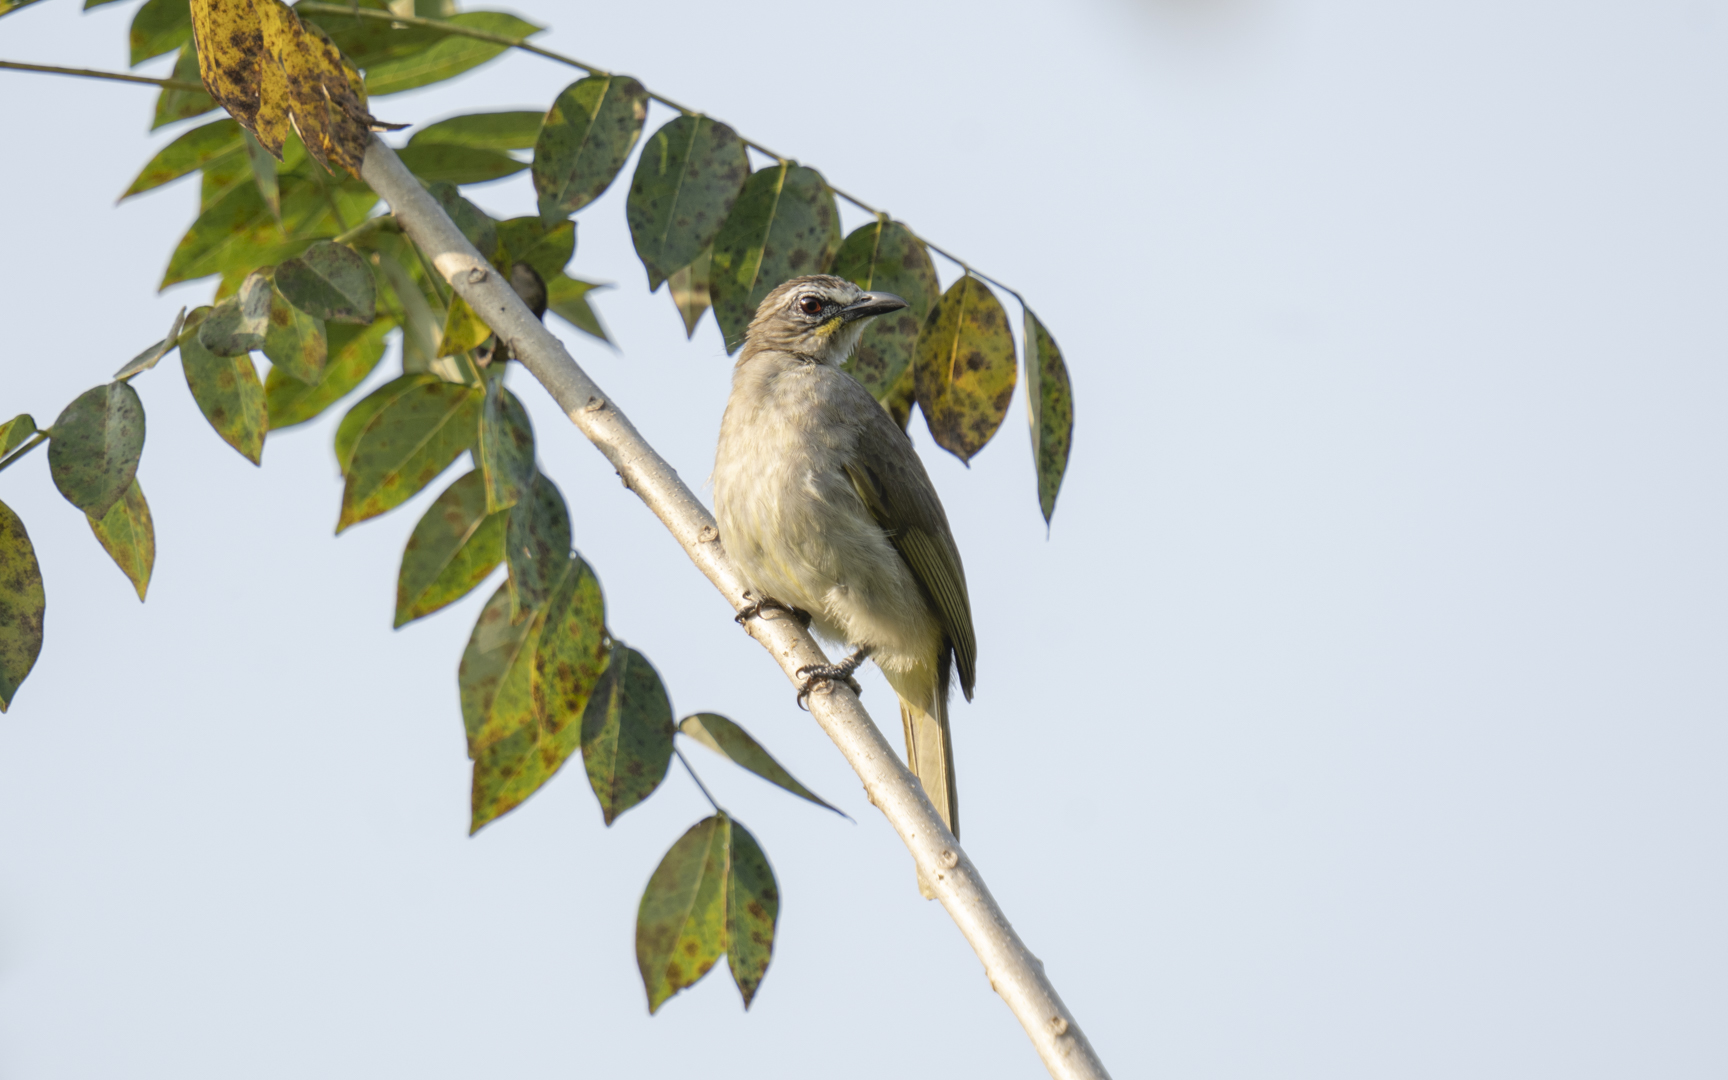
<point x="816" y="318"/>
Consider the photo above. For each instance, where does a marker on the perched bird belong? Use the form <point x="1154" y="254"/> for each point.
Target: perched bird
<point x="827" y="512"/>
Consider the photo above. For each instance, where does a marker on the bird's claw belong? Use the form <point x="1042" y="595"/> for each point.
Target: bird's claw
<point x="816" y="674"/>
<point x="754" y="609"/>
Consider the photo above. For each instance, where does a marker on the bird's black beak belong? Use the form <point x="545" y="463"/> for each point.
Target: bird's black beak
<point x="871" y="303"/>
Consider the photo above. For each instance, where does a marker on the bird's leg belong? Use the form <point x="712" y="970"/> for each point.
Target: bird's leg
<point x="828" y="673"/>
<point x="753" y="608"/>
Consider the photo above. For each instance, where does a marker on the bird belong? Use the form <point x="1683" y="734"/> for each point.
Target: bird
<point x="828" y="513"/>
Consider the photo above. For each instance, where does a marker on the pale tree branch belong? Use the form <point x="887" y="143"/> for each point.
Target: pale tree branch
<point x="1014" y="972"/>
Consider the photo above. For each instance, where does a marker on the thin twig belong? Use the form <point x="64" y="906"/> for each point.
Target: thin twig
<point x="40" y="438"/>
<point x="526" y="46"/>
<point x="699" y="784"/>
<point x="92" y="73"/>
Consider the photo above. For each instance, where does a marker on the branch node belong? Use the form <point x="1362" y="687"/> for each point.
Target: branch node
<point x="949" y="858"/>
<point x="1059" y="1024"/>
<point x="707" y="534"/>
<point x="478" y="274"/>
<point x="594" y="405"/>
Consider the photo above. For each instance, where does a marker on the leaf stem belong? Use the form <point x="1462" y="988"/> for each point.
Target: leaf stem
<point x="523" y="44"/>
<point x="92" y="73"/>
<point x="382" y="222"/>
<point x="699" y="785"/>
<point x="37" y="440"/>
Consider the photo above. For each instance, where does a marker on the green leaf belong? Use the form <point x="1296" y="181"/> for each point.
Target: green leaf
<point x="191" y="151"/>
<point x="506" y="448"/>
<point x="752" y="910"/>
<point x="7" y="7"/>
<point x="222" y="174"/>
<point x="365" y="411"/>
<point x="421" y="325"/>
<point x="330" y="281"/>
<point x="508" y="761"/>
<point x="571" y="656"/>
<point x="584" y="141"/>
<point x="447" y="58"/>
<point x="548" y="251"/>
<point x="354" y="352"/>
<point x="463" y="329"/>
<point x="14" y="433"/>
<point x="885" y="256"/>
<point x="483" y="131"/>
<point x="689" y="289"/>
<point x="518" y="752"/>
<point x="454" y="546"/>
<point x="494" y="676"/>
<point x="264" y="175"/>
<point x="21" y="606"/>
<point x="480" y="230"/>
<point x="536" y="546"/>
<point x="1050" y="408"/>
<point x="681" y="921"/>
<point x="783" y="225"/>
<point x="238" y="324"/>
<point x="160" y="26"/>
<point x="128" y="535"/>
<point x="626" y="733"/>
<point x="229" y="395"/>
<point x="95" y="445"/>
<point x="294" y="341"/>
<point x="458" y="164"/>
<point x="412" y="439"/>
<point x="367" y="42"/>
<point x="735" y="745"/>
<point x="964" y="368"/>
<point x="688" y="177"/>
<point x="901" y="397"/>
<point x="150" y="357"/>
<point x="567" y="298"/>
<point x="172" y="105"/>
<point x="226" y="234"/>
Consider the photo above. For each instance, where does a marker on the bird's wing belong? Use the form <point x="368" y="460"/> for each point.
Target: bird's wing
<point x="894" y="487"/>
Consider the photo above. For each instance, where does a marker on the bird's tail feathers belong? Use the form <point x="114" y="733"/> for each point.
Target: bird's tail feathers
<point x="930" y="756"/>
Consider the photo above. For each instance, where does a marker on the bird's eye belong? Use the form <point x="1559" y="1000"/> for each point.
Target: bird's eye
<point x="810" y="306"/>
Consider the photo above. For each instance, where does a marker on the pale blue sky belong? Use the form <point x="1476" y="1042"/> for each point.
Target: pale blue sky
<point x="1362" y="715"/>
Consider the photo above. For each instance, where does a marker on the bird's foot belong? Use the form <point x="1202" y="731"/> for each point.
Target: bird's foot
<point x="754" y="608"/>
<point x="816" y="674"/>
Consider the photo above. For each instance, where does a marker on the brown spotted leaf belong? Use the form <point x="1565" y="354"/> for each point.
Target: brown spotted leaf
<point x="354" y="352"/>
<point x="494" y="678"/>
<point x="884" y="256"/>
<point x="128" y="535"/>
<point x="239" y="324"/>
<point x="1050" y="409"/>
<point x="784" y="225"/>
<point x="413" y="438"/>
<point x="295" y="341"/>
<point x="329" y="281"/>
<point x="584" y="141"/>
<point x="681" y="921"/>
<point x="568" y="663"/>
<point x="22" y="603"/>
<point x="536" y="546"/>
<point x="506" y="447"/>
<point x="453" y="547"/>
<point x="354" y="421"/>
<point x="97" y="440"/>
<point x="626" y="733"/>
<point x="275" y="76"/>
<point x="229" y="395"/>
<point x="964" y="368"/>
<point x="686" y="181"/>
<point x="752" y="909"/>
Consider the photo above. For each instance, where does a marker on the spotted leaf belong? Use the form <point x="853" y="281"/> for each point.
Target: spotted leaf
<point x="964" y="368"/>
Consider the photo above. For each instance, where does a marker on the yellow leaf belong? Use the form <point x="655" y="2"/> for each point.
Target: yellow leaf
<point x="463" y="329"/>
<point x="273" y="73"/>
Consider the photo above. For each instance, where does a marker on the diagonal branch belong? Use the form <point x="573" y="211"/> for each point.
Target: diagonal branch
<point x="1014" y="972"/>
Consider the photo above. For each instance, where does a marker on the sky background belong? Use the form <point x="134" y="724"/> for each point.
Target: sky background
<point x="1360" y="716"/>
